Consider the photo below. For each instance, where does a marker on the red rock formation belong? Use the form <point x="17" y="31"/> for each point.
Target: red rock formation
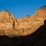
<point x="22" y="26"/>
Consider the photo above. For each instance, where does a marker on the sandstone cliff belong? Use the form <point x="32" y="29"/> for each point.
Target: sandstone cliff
<point x="23" y="26"/>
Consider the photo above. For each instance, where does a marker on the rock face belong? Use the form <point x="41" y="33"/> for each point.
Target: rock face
<point x="11" y="26"/>
<point x="6" y="23"/>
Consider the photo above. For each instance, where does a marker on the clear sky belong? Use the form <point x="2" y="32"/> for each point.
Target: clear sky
<point x="21" y="8"/>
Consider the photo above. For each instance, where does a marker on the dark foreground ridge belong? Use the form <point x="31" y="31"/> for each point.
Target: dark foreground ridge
<point x="38" y="38"/>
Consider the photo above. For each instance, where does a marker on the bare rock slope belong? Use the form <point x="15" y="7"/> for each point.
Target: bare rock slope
<point x="27" y="25"/>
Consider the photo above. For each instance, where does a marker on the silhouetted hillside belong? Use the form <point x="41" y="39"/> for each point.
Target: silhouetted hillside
<point x="38" y="38"/>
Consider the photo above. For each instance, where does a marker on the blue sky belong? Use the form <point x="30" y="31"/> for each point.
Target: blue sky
<point x="21" y="8"/>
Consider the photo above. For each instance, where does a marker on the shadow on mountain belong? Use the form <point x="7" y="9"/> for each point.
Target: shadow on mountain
<point x="38" y="38"/>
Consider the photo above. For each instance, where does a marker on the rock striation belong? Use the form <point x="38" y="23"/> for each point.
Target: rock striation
<point x="27" y="25"/>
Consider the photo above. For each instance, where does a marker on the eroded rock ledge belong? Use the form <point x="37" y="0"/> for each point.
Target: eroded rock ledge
<point x="11" y="26"/>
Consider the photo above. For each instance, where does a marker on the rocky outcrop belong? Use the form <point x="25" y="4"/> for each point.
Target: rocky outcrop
<point x="6" y="23"/>
<point x="22" y="26"/>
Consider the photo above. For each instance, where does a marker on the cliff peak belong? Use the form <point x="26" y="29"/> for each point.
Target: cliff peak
<point x="43" y="6"/>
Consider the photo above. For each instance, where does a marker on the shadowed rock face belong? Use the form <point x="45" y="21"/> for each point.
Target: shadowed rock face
<point x="38" y="38"/>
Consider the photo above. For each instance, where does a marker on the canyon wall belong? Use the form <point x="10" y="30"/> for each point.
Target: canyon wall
<point x="27" y="25"/>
